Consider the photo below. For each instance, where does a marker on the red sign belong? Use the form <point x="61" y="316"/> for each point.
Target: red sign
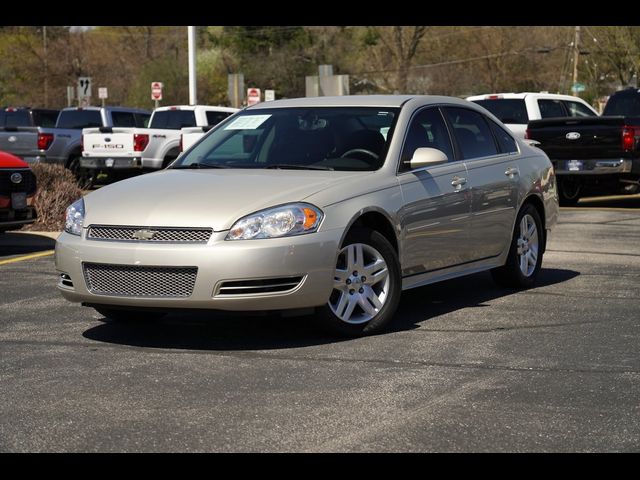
<point x="253" y="96"/>
<point x="156" y="90"/>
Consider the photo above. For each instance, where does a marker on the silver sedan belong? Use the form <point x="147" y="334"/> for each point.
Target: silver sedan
<point x="335" y="204"/>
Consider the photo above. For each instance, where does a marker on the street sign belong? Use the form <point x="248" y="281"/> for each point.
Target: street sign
<point x="253" y="96"/>
<point x="84" y="87"/>
<point x="103" y="93"/>
<point x="578" y="87"/>
<point x="269" y="95"/>
<point x="156" y="90"/>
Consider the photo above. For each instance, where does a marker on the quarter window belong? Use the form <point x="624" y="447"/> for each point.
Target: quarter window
<point x="505" y="141"/>
<point x="471" y="132"/>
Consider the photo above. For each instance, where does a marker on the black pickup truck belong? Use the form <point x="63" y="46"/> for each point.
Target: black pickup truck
<point x="594" y="155"/>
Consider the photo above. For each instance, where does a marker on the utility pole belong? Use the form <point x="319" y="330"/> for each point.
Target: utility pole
<point x="576" y="55"/>
<point x="191" y="32"/>
<point x="46" y="67"/>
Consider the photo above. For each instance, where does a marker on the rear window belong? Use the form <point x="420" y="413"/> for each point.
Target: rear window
<point x="627" y="104"/>
<point x="15" y="118"/>
<point x="173" y="119"/>
<point x="77" y="119"/>
<point x="508" y="110"/>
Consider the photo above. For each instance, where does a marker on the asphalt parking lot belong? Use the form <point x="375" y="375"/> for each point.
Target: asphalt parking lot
<point x="469" y="367"/>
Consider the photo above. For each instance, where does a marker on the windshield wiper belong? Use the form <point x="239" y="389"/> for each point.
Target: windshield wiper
<point x="200" y="165"/>
<point x="289" y="166"/>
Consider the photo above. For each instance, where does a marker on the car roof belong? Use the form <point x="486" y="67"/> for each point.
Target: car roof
<point x="356" y="101"/>
<point x="521" y="95"/>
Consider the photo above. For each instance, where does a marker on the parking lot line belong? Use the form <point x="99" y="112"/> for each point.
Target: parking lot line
<point x="27" y="257"/>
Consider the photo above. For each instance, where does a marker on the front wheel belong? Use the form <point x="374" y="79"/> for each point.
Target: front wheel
<point x="366" y="286"/>
<point x="525" y="253"/>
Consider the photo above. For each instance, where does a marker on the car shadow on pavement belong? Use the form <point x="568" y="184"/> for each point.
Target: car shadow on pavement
<point x="19" y="243"/>
<point x="223" y="331"/>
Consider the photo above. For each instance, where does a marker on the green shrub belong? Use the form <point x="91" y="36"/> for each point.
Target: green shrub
<point x="57" y="189"/>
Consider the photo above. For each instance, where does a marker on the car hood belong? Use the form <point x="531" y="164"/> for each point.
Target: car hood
<point x="203" y="198"/>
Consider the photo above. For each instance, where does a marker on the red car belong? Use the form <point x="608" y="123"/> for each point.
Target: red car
<point x="17" y="188"/>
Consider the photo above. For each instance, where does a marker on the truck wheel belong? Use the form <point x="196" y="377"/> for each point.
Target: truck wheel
<point x="85" y="178"/>
<point x="568" y="192"/>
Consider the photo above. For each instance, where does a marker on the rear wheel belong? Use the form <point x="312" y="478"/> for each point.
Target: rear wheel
<point x="85" y="177"/>
<point x="129" y="316"/>
<point x="525" y="253"/>
<point x="568" y="192"/>
<point x="366" y="288"/>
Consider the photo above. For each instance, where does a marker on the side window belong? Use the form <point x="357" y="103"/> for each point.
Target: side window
<point x="427" y="129"/>
<point x="505" y="141"/>
<point x="142" y="119"/>
<point x="214" y="118"/>
<point x="551" y="108"/>
<point x="577" y="109"/>
<point x="471" y="132"/>
<point x="123" y="119"/>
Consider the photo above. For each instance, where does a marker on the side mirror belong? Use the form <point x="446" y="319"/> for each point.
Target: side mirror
<point x="427" y="157"/>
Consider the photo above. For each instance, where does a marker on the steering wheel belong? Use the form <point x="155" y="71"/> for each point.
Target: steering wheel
<point x="360" y="150"/>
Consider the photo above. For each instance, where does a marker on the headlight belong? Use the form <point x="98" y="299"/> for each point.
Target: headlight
<point x="75" y="217"/>
<point x="284" y="221"/>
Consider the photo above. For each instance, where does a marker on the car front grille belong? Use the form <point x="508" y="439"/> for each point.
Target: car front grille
<point x="26" y="184"/>
<point x="149" y="234"/>
<point x="139" y="281"/>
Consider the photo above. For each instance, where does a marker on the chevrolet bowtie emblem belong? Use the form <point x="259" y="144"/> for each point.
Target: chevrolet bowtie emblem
<point x="143" y="234"/>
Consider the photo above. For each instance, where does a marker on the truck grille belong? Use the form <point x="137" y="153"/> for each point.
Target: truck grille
<point x="138" y="281"/>
<point x="149" y="234"/>
<point x="27" y="183"/>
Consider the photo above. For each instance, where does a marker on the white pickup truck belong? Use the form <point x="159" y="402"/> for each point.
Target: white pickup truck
<point x="106" y="150"/>
<point x="190" y="135"/>
<point x="515" y="110"/>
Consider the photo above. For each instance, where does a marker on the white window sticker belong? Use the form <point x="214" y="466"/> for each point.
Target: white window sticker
<point x="247" y="122"/>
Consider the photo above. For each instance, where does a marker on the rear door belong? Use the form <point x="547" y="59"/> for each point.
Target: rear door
<point x="490" y="155"/>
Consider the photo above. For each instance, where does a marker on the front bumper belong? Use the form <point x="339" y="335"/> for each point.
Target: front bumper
<point x="311" y="257"/>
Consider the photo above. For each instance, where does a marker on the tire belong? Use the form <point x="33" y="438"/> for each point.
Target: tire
<point x="359" y="305"/>
<point x="525" y="253"/>
<point x="84" y="177"/>
<point x="129" y="316"/>
<point x="568" y="192"/>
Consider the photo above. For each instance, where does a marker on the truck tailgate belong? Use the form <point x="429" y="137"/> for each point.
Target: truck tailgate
<point x="117" y="143"/>
<point x="579" y="138"/>
<point x="19" y="141"/>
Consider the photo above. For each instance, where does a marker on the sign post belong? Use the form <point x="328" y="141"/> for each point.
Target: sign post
<point x="156" y="92"/>
<point x="84" y="91"/>
<point x="253" y="96"/>
<point x="103" y="94"/>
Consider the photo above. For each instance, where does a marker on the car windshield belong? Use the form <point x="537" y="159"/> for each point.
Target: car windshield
<point x="326" y="138"/>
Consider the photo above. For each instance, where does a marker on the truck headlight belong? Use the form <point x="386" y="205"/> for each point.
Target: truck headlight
<point x="283" y="221"/>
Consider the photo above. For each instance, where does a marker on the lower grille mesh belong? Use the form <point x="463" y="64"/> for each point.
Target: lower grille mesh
<point x="137" y="281"/>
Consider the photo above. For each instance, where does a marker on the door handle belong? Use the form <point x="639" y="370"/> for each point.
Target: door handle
<point x="510" y="172"/>
<point x="458" y="181"/>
